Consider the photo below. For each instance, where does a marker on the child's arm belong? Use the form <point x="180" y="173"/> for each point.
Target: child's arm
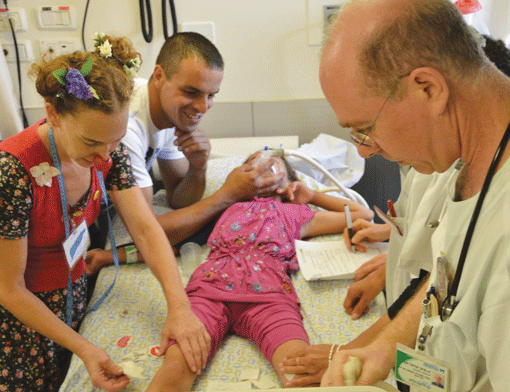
<point x="325" y="222"/>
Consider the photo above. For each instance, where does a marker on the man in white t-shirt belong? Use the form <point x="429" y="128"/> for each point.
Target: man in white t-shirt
<point x="165" y="114"/>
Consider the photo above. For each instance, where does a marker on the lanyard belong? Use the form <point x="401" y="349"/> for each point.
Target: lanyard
<point x="63" y="199"/>
<point x="450" y="302"/>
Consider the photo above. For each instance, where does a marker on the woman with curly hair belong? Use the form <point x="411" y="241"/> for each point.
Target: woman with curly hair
<point x="51" y="177"/>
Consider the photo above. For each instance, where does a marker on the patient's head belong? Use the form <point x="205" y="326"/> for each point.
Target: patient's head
<point x="279" y="165"/>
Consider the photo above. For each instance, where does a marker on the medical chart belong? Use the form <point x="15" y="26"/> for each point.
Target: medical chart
<point x="333" y="259"/>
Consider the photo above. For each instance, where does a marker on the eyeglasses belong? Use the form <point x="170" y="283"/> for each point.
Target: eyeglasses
<point x="361" y="137"/>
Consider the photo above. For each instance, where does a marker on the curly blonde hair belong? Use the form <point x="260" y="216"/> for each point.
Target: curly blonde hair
<point x="107" y="77"/>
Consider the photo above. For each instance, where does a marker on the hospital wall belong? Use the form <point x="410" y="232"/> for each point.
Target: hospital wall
<point x="270" y="48"/>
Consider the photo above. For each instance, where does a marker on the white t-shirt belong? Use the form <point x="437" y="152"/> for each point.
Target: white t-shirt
<point x="143" y="140"/>
<point x="475" y="341"/>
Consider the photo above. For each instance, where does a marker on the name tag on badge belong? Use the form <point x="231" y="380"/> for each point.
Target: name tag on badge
<point x="77" y="244"/>
<point x="421" y="371"/>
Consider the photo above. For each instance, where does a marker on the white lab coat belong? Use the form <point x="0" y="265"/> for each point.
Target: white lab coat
<point x="475" y="341"/>
<point x="420" y="202"/>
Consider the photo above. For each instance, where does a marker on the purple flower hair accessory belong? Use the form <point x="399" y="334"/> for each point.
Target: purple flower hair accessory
<point x="77" y="85"/>
<point x="74" y="81"/>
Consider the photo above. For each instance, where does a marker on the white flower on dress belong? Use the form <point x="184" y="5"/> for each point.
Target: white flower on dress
<point x="44" y="173"/>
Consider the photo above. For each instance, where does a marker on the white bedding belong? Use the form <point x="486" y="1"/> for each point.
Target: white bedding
<point x="136" y="309"/>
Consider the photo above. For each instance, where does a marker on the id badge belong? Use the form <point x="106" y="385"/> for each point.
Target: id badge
<point x="77" y="244"/>
<point x="421" y="371"/>
<point x="445" y="274"/>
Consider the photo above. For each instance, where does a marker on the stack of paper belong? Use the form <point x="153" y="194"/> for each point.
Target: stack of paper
<point x="333" y="259"/>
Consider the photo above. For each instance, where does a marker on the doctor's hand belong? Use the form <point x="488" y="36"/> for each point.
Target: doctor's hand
<point x="369" y="280"/>
<point x="367" y="231"/>
<point x="191" y="335"/>
<point x="195" y="146"/>
<point x="103" y="372"/>
<point x="308" y="364"/>
<point x="377" y="359"/>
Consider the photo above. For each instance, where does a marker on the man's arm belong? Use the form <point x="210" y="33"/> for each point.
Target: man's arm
<point x="184" y="179"/>
<point x="243" y="183"/>
<point x="184" y="183"/>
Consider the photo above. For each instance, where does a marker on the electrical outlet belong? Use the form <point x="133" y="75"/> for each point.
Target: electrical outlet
<point x="54" y="48"/>
<point x="26" y="54"/>
<point x="18" y="19"/>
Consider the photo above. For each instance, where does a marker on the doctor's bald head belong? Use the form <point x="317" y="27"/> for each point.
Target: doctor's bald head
<point x="382" y="40"/>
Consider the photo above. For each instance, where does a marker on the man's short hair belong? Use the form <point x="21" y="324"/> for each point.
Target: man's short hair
<point x="183" y="45"/>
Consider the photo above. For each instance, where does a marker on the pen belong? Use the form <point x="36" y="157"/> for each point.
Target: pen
<point x="391" y="209"/>
<point x="349" y="225"/>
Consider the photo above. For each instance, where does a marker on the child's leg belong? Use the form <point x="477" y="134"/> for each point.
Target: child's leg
<point x="276" y="328"/>
<point x="174" y="375"/>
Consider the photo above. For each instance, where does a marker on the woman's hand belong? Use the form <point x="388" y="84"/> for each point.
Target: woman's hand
<point x="308" y="364"/>
<point x="104" y="373"/>
<point x="195" y="343"/>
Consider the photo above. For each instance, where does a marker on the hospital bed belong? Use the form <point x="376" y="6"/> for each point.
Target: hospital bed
<point x="128" y="323"/>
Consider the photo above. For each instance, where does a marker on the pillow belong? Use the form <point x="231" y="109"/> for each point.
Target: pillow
<point x="218" y="169"/>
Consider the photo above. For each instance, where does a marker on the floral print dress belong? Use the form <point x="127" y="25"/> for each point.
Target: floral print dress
<point x="252" y="253"/>
<point x="28" y="360"/>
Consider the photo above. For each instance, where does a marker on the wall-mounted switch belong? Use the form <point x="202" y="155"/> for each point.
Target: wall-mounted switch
<point x="62" y="17"/>
<point x="18" y="19"/>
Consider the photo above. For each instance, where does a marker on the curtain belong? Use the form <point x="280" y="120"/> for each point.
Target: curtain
<point x="10" y="119"/>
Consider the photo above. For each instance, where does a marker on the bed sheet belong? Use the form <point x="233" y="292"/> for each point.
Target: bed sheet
<point x="128" y="323"/>
<point x="135" y="310"/>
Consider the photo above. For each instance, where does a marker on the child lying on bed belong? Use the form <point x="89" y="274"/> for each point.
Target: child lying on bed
<point x="244" y="286"/>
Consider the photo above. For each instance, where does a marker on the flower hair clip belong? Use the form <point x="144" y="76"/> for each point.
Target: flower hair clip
<point x="74" y="81"/>
<point x="104" y="46"/>
<point x="130" y="67"/>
